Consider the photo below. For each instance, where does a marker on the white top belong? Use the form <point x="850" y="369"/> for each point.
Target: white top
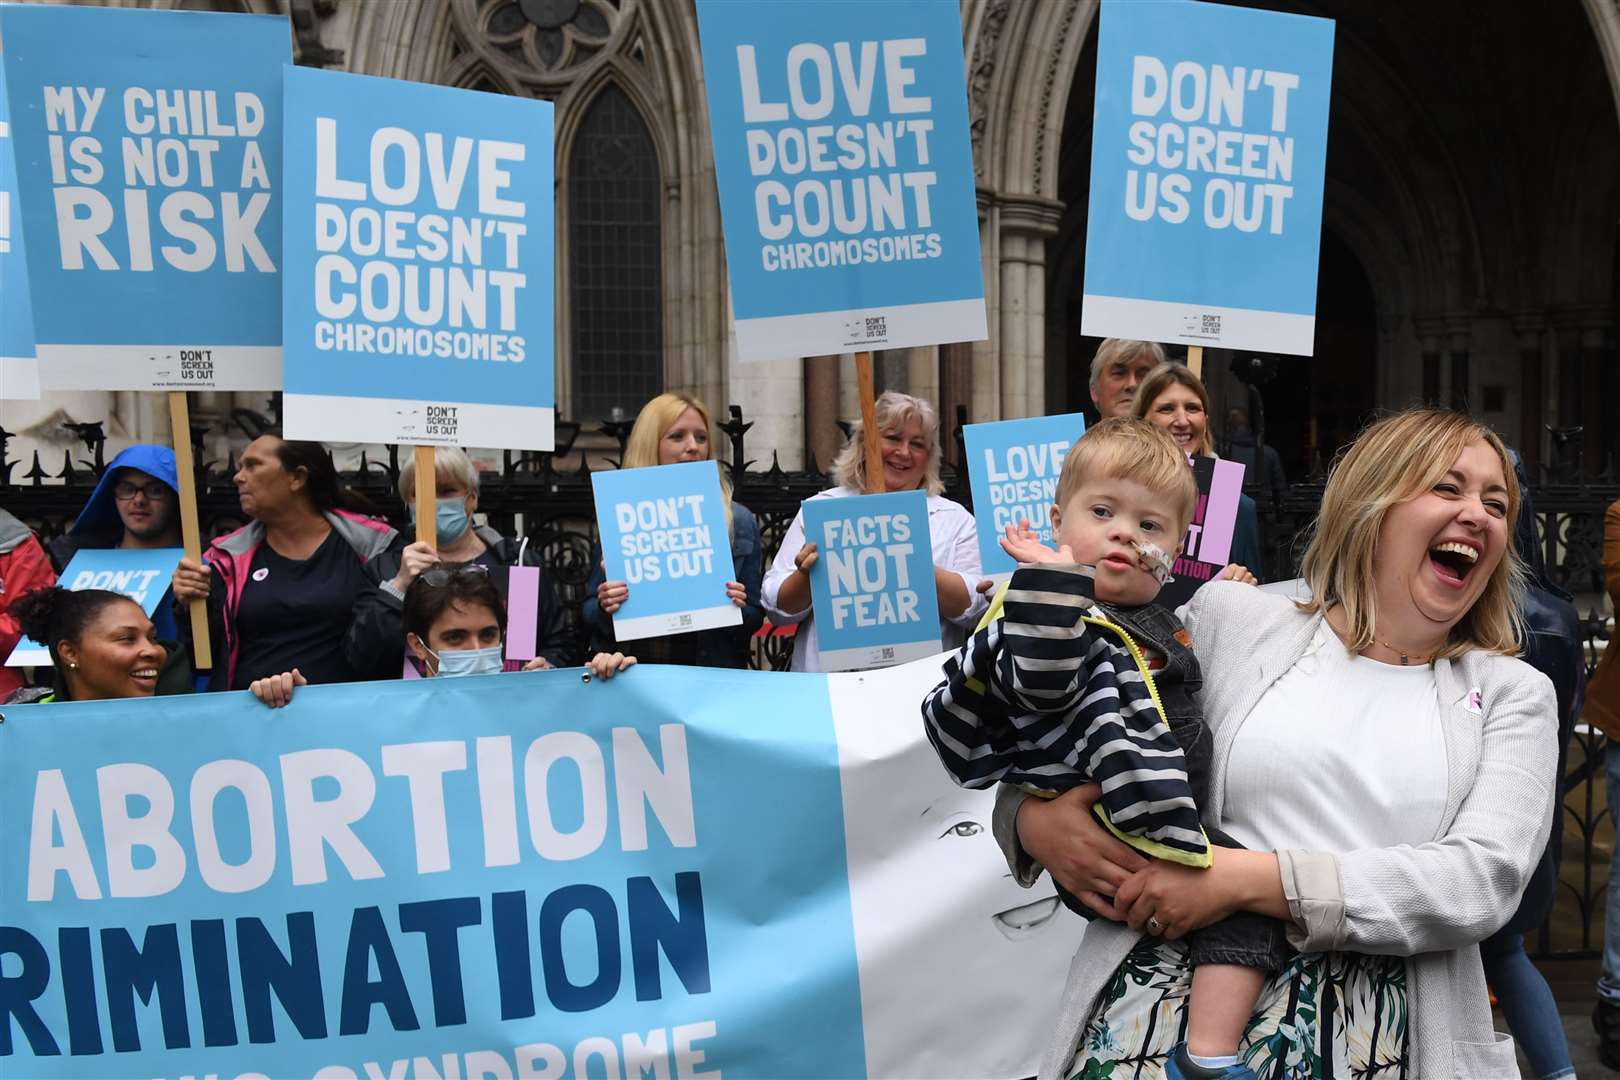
<point x="1341" y="753"/>
<point x="955" y="545"/>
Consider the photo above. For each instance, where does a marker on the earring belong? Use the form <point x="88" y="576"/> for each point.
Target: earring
<point x="73" y="666"/>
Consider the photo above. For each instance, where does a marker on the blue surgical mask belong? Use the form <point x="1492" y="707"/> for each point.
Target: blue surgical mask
<point x="450" y="520"/>
<point x="469" y="661"/>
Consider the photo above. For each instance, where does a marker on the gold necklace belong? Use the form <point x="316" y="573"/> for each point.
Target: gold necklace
<point x="1406" y="659"/>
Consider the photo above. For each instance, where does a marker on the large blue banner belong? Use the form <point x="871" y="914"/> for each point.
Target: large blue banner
<point x="1208" y="153"/>
<point x="679" y="873"/>
<point x="845" y="169"/>
<point x="1013" y="469"/>
<point x="872" y="586"/>
<point x="19" y="369"/>
<point x="419" y="264"/>
<point x="148" y="148"/>
<point x="664" y="535"/>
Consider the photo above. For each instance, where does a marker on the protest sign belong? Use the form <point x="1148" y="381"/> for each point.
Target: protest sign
<point x="19" y="369"/>
<point x="664" y="534"/>
<point x="1207" y="547"/>
<point x="872" y="586"/>
<point x="1207" y="159"/>
<point x="418" y="302"/>
<point x="513" y="875"/>
<point x="148" y="156"/>
<point x="845" y="171"/>
<point x="1013" y="467"/>
<point x="142" y="574"/>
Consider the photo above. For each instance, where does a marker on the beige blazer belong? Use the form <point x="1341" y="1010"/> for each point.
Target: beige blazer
<point x="1432" y="903"/>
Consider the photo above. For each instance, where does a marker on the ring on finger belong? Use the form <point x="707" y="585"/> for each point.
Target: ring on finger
<point x="1154" y="926"/>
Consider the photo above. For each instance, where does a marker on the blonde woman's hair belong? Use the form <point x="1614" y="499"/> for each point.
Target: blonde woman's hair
<point x="1125" y="349"/>
<point x="654" y="420"/>
<point x="1395" y="460"/>
<point x="449" y="463"/>
<point x="1125" y="448"/>
<point x="894" y="411"/>
<point x="1163" y="378"/>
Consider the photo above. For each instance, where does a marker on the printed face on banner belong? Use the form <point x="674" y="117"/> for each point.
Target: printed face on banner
<point x="508" y="875"/>
<point x="419" y="264"/>
<point x="1207" y="161"/>
<point x="664" y="535"/>
<point x="1208" y="546"/>
<point x="142" y="574"/>
<point x="19" y="370"/>
<point x="872" y="587"/>
<point x="1013" y="467"/>
<point x="149" y="172"/>
<point x="846" y="174"/>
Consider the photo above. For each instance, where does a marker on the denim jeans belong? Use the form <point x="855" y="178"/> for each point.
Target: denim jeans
<point x="1527" y="1005"/>
<point x="1608" y="986"/>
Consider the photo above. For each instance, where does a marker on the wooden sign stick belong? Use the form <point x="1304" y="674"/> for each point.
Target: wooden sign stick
<point x="1195" y="360"/>
<point x="190" y="532"/>
<point x="427" y="497"/>
<point x="873" y="455"/>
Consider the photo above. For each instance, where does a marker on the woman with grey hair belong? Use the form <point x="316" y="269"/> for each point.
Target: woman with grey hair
<point x="909" y="441"/>
<point x="376" y="639"/>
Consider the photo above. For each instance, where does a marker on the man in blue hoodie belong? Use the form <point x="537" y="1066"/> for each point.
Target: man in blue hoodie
<point x="136" y="504"/>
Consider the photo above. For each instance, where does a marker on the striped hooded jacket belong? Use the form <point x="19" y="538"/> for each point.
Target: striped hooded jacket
<point x="1051" y="693"/>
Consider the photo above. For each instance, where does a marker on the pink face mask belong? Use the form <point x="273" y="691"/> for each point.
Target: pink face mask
<point x="1158" y="561"/>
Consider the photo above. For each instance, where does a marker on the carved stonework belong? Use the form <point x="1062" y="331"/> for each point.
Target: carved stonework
<point x="539" y="47"/>
<point x="980" y="74"/>
<point x="1048" y="83"/>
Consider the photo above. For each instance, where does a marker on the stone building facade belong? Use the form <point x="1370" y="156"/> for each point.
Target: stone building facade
<point x="1469" y="248"/>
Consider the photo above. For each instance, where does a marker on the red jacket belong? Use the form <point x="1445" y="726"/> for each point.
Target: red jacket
<point x="23" y="568"/>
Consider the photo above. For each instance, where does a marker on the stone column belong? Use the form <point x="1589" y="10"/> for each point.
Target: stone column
<point x="821" y="438"/>
<point x="1461" y="377"/>
<point x="955" y="386"/>
<point x="1025" y="224"/>
<point x="1528" y="329"/>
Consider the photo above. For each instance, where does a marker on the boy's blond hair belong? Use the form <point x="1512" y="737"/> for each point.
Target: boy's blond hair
<point x="1127" y="449"/>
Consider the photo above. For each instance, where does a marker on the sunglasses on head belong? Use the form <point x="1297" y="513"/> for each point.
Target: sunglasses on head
<point x="440" y="576"/>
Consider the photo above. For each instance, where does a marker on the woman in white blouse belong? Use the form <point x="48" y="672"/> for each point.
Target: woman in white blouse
<point x="909" y="438"/>
<point x="1386" y="758"/>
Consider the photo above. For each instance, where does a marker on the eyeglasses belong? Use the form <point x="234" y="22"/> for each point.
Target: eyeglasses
<point x="126" y="490"/>
<point x="440" y="576"/>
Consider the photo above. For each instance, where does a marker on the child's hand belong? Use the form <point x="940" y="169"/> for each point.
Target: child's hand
<point x="1025" y="547"/>
<point x="1239" y="573"/>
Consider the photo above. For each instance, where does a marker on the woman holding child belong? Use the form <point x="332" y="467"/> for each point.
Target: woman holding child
<point x="1383" y="757"/>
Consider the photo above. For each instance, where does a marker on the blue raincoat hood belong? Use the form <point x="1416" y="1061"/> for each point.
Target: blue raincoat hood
<point x="101" y="512"/>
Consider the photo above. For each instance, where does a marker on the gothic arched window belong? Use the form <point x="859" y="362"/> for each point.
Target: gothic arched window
<point x="614" y="261"/>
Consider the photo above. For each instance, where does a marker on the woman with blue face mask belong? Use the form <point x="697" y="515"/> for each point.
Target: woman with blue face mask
<point x="377" y="633"/>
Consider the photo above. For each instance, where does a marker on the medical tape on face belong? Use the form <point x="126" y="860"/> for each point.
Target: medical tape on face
<point x="1158" y="561"/>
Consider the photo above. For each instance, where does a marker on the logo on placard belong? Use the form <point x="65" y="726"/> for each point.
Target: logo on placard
<point x="197" y="365"/>
<point x="886" y="653"/>
<point x="261" y="573"/>
<point x="684" y="620"/>
<point x="877" y="327"/>
<point x="441" y="421"/>
<point x="866" y="330"/>
<point x="1202" y="326"/>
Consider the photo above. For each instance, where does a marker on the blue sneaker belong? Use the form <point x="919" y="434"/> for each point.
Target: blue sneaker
<point x="1181" y="1066"/>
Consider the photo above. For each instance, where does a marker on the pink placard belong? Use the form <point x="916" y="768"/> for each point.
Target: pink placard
<point x="1220" y="514"/>
<point x="523" y="611"/>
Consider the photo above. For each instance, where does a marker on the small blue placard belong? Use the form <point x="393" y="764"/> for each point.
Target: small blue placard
<point x="872" y="587"/>
<point x="148" y="149"/>
<point x="418" y="302"/>
<point x="845" y="168"/>
<point x="664" y="534"/>
<point x="19" y="369"/>
<point x="1208" y="153"/>
<point x="1013" y="467"/>
<point x="142" y="574"/>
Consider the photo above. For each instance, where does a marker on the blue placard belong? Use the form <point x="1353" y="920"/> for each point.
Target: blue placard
<point x="419" y="264"/>
<point x="664" y="534"/>
<point x="1207" y="159"/>
<point x="142" y="574"/>
<point x="148" y="148"/>
<point x="19" y="369"/>
<point x="872" y="587"/>
<point x="845" y="168"/>
<point x="1013" y="467"/>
